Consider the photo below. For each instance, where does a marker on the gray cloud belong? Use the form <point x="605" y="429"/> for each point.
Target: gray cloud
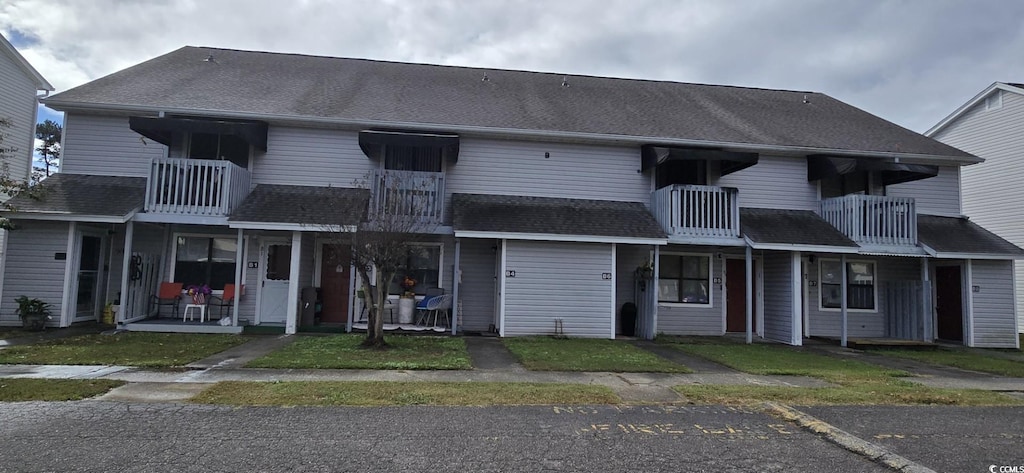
<point x="912" y="62"/>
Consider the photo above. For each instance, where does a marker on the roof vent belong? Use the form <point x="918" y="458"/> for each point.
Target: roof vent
<point x="485" y="78"/>
<point x="210" y="59"/>
<point x="805" y="99"/>
<point x="565" y="81"/>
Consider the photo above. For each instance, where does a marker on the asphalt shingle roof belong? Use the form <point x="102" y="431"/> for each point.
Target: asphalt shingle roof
<point x="79" y="194"/>
<point x="792" y="227"/>
<point x="369" y="92"/>
<point x="516" y="214"/>
<point x="271" y="203"/>
<point x="960" y="235"/>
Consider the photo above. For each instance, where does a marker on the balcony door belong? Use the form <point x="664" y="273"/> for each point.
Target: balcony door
<point x="275" y="277"/>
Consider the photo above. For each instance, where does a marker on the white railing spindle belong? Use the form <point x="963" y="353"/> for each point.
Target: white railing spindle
<point x="195" y="187"/>
<point x="697" y="211"/>
<point x="873" y="219"/>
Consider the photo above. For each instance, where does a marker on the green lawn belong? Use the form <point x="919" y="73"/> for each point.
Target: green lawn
<point x="12" y="332"/>
<point x="961" y="358"/>
<point x="384" y="393"/>
<point x="855" y="382"/>
<point x="153" y="350"/>
<point x="25" y="389"/>
<point x="343" y="352"/>
<point x="582" y="354"/>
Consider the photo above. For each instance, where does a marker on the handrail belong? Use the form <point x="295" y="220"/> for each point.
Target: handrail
<point x="697" y="211"/>
<point x="873" y="219"/>
<point x="198" y="187"/>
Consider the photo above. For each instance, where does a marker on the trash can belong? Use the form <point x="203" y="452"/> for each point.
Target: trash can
<point x="307" y="306"/>
<point x="627" y="319"/>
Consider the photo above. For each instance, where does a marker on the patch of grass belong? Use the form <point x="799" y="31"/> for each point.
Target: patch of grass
<point x="344" y="352"/>
<point x="26" y="389"/>
<point x="153" y="350"/>
<point x="961" y="358"/>
<point x="581" y="354"/>
<point x="783" y="360"/>
<point x="857" y="383"/>
<point x="11" y="332"/>
<point x="893" y="392"/>
<point x="385" y="393"/>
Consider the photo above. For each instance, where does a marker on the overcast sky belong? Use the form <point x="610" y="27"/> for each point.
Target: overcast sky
<point x="911" y="62"/>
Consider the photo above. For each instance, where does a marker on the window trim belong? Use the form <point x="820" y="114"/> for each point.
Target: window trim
<point x="174" y="254"/>
<point x="874" y="284"/>
<point x="711" y="276"/>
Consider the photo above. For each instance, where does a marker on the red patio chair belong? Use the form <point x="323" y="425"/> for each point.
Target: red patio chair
<point x="225" y="300"/>
<point x="169" y="294"/>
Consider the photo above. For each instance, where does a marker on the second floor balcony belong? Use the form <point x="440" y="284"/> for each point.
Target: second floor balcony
<point x="408" y="193"/>
<point x="873" y="219"/>
<point x="195" y="187"/>
<point x="697" y="211"/>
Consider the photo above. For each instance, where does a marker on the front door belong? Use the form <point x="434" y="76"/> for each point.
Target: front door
<point x="335" y="274"/>
<point x="949" y="303"/>
<point x="90" y="272"/>
<point x="275" y="278"/>
<point x="736" y="297"/>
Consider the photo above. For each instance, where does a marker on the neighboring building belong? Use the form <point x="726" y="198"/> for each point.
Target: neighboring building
<point x="991" y="126"/>
<point x="558" y="199"/>
<point x="19" y="84"/>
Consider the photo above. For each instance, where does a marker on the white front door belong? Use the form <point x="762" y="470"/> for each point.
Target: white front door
<point x="274" y="280"/>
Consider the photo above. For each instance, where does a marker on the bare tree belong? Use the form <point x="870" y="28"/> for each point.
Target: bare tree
<point x="10" y="186"/>
<point x="402" y="205"/>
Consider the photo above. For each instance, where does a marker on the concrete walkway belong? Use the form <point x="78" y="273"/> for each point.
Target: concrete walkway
<point x="237" y="357"/>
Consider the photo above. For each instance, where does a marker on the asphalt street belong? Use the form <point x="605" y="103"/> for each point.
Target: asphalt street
<point x="114" y="436"/>
<point x="946" y="439"/>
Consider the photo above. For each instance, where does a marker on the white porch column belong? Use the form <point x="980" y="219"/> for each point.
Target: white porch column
<point x="239" y="263"/>
<point x="926" y="303"/>
<point x="969" y="313"/>
<point x="612" y="328"/>
<point x="796" y="315"/>
<point x="844" y="330"/>
<point x="352" y="278"/>
<point x="749" y="260"/>
<point x="67" y="307"/>
<point x="126" y="264"/>
<point x="501" y="297"/>
<point x="653" y="292"/>
<point x="456" y="279"/>
<point x="292" y="318"/>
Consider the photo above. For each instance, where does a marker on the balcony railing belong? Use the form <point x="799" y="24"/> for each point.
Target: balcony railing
<point x="697" y="211"/>
<point x="409" y="193"/>
<point x="873" y="219"/>
<point x="197" y="187"/>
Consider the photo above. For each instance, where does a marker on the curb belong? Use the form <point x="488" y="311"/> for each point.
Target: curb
<point x="872" y="451"/>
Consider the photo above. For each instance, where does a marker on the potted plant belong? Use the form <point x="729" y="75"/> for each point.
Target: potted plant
<point x="407" y="301"/>
<point x="199" y="293"/>
<point x="645" y="271"/>
<point x="33" y="312"/>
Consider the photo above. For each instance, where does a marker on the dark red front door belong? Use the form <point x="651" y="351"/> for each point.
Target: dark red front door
<point x="949" y="301"/>
<point x="736" y="297"/>
<point x="335" y="269"/>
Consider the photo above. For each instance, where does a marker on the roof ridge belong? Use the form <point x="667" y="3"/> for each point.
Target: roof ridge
<point x="514" y="71"/>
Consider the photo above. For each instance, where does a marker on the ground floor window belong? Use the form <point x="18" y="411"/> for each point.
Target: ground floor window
<point x="685" y="279"/>
<point x="202" y="260"/>
<point x="423" y="265"/>
<point x="860" y="282"/>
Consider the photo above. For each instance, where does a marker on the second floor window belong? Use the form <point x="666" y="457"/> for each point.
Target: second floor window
<point x="686" y="172"/>
<point x="413" y="158"/>
<point x="685" y="279"/>
<point x="215" y="146"/>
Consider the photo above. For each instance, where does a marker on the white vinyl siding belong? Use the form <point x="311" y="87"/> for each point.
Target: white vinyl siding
<point x="993" y="304"/>
<point x="778" y="297"/>
<point x="32" y="269"/>
<point x="991" y="190"/>
<point x="570" y="170"/>
<point x="939" y="195"/>
<point x="311" y="157"/>
<point x="775" y="182"/>
<point x="106" y="146"/>
<point x="18" y="104"/>
<point x="861" y="324"/>
<point x="476" y="290"/>
<point x="693" y="319"/>
<point x="557" y="280"/>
